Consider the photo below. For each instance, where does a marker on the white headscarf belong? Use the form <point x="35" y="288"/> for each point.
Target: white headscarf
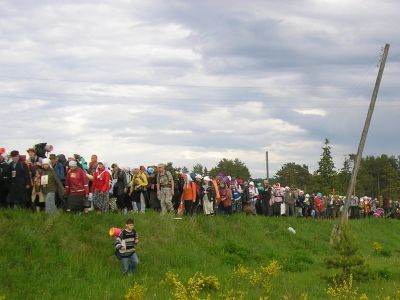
<point x="188" y="180"/>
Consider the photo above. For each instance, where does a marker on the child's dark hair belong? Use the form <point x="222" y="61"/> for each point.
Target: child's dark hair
<point x="129" y="221"/>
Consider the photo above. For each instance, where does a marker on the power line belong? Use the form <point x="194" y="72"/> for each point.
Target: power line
<point x="164" y="84"/>
<point x="195" y="102"/>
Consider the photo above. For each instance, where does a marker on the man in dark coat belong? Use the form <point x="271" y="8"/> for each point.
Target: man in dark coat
<point x="20" y="181"/>
<point x="120" y="187"/>
<point x="265" y="198"/>
<point x="4" y="182"/>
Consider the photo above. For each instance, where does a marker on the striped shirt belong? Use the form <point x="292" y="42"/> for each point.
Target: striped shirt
<point x="126" y="239"/>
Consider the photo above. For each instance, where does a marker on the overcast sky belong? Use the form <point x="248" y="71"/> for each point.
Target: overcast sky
<point x="143" y="82"/>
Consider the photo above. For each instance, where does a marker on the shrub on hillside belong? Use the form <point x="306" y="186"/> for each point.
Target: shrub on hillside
<point x="346" y="257"/>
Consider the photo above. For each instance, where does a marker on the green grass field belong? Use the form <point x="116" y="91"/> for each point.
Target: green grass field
<point x="72" y="257"/>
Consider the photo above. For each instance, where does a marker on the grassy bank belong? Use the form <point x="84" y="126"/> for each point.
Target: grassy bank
<point x="71" y="256"/>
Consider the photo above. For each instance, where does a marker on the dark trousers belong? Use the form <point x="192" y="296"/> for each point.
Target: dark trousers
<point x="290" y="210"/>
<point x="188" y="207"/>
<point x="335" y="212"/>
<point x="124" y="201"/>
<point x="3" y="198"/>
<point x="354" y="212"/>
<point x="266" y="209"/>
<point x="276" y="209"/>
<point x="154" y="202"/>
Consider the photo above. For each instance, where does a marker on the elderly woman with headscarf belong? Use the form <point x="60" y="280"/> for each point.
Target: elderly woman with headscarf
<point x="50" y="185"/>
<point x="100" y="188"/>
<point x="76" y="189"/>
<point x="253" y="191"/>
<point x="236" y="191"/>
<point x="189" y="192"/>
<point x="209" y="195"/>
<point x="154" y="202"/>
<point x="225" y="193"/>
<point x="277" y="199"/>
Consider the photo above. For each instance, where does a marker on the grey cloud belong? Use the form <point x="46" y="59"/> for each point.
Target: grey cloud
<point x="163" y="75"/>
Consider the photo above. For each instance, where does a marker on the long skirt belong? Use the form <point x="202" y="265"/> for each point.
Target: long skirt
<point x="101" y="201"/>
<point x="208" y="207"/>
<point x="75" y="203"/>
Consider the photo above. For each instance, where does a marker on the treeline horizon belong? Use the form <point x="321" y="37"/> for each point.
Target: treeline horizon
<point x="379" y="175"/>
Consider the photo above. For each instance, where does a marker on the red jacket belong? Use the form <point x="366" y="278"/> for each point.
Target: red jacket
<point x="76" y="183"/>
<point x="101" y="180"/>
<point x="319" y="204"/>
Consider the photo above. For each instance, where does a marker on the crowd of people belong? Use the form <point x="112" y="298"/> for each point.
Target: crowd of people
<point x="47" y="182"/>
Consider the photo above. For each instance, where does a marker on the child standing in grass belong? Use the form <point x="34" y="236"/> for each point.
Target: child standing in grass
<point x="125" y="248"/>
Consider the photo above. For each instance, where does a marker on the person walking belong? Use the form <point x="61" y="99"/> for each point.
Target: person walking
<point x="76" y="189"/>
<point x="50" y="186"/>
<point x="253" y="196"/>
<point x="154" y="202"/>
<point x="100" y="188"/>
<point x="120" y="187"/>
<point x="20" y="182"/>
<point x="125" y="248"/>
<point x="265" y="198"/>
<point x="209" y="196"/>
<point x="138" y="190"/>
<point x="165" y="188"/>
<point x="188" y="196"/>
<point x="4" y="180"/>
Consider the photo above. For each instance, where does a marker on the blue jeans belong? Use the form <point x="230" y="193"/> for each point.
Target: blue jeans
<point x="129" y="267"/>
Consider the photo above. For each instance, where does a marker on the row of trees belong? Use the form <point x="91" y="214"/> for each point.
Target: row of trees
<point x="378" y="175"/>
<point x="232" y="167"/>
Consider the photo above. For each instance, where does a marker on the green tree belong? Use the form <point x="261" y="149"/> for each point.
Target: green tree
<point x="346" y="256"/>
<point x="198" y="169"/>
<point x="174" y="170"/>
<point x="231" y="167"/>
<point x="326" y="168"/>
<point x="294" y="174"/>
<point x="205" y="171"/>
<point x="378" y="176"/>
<point x="342" y="179"/>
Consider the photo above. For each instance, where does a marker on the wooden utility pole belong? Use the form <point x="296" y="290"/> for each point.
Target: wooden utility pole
<point x="350" y="189"/>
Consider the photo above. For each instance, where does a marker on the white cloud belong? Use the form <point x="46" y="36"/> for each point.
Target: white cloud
<point x="176" y="132"/>
<point x="142" y="82"/>
<point x="222" y="131"/>
<point x="313" y="112"/>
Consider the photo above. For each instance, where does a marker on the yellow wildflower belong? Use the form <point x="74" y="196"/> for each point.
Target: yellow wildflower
<point x="272" y="269"/>
<point x="377" y="247"/>
<point x="255" y="278"/>
<point x="304" y="296"/>
<point x="241" y="271"/>
<point x="135" y="293"/>
<point x="233" y="295"/>
<point x="195" y="284"/>
<point x="344" y="290"/>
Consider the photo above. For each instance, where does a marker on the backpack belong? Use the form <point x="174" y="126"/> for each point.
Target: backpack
<point x="62" y="159"/>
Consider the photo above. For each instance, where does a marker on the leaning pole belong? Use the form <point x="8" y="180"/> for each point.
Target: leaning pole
<point x="350" y="189"/>
<point x="361" y="145"/>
